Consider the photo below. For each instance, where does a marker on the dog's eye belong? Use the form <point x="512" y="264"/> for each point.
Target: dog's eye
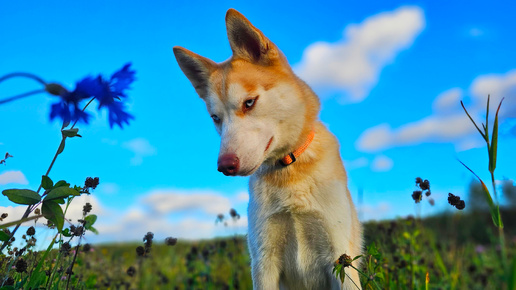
<point x="250" y="103"/>
<point x="215" y="118"/>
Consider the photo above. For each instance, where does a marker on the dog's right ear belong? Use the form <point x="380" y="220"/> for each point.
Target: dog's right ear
<point x="196" y="68"/>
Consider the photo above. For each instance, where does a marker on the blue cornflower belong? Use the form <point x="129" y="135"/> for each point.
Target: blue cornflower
<point x="68" y="107"/>
<point x="107" y="93"/>
<point x="112" y="91"/>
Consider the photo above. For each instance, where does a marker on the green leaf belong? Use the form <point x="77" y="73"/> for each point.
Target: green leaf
<point x="61" y="146"/>
<point x="481" y="133"/>
<point x="487" y="195"/>
<point x="60" y="193"/>
<point x="89" y="221"/>
<point x="66" y="232"/>
<point x="71" y="132"/>
<point x="94" y="230"/>
<point x="486" y="127"/>
<point x="357" y="257"/>
<point x="61" y="183"/>
<point x="36" y="279"/>
<point x="342" y="275"/>
<point x="22" y="196"/>
<point x="4" y="237"/>
<point x="53" y="212"/>
<point x="46" y="182"/>
<point x="494" y="142"/>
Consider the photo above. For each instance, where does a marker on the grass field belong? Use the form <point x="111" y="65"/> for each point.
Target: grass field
<point x="458" y="251"/>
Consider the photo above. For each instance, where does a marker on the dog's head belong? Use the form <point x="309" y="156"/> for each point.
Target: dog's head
<point x="258" y="105"/>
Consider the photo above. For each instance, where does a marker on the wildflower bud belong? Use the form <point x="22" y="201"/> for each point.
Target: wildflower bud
<point x="31" y="231"/>
<point x="65" y="249"/>
<point x="131" y="271"/>
<point x="233" y="213"/>
<point x="140" y="251"/>
<point x="453" y="199"/>
<point x="425" y="185"/>
<point x="91" y="182"/>
<point x="460" y="205"/>
<point x="417" y="195"/>
<point x="431" y="201"/>
<point x="87" y="208"/>
<point x="86" y="248"/>
<point x="21" y="265"/>
<point x="419" y="180"/>
<point x="170" y="241"/>
<point x="344" y="260"/>
<point x="55" y="89"/>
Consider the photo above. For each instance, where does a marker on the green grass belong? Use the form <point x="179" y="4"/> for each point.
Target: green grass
<point x="458" y="251"/>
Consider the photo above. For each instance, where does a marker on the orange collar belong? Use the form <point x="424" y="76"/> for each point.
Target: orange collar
<point x="292" y="156"/>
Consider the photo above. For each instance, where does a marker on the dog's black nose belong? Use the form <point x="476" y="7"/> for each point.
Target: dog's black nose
<point x="228" y="164"/>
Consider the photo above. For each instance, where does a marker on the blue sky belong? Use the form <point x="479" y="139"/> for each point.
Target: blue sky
<point x="390" y="76"/>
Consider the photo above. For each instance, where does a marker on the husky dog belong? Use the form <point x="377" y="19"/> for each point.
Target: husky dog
<point x="301" y="216"/>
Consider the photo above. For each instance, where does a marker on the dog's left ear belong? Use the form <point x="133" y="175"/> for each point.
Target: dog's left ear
<point x="248" y="42"/>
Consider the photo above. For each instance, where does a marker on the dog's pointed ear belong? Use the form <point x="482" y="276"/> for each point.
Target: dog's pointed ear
<point x="196" y="68"/>
<point x="247" y="41"/>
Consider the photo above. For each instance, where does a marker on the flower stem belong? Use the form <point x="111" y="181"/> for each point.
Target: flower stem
<point x="6" y="225"/>
<point x="24" y="95"/>
<point x="30" y="208"/>
<point x="23" y="75"/>
<point x="368" y="278"/>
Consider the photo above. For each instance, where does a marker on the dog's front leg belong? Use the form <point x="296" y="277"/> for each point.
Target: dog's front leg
<point x="267" y="243"/>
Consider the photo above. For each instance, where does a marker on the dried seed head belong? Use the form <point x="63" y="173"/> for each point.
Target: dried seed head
<point x="233" y="213"/>
<point x="21" y="265"/>
<point x="425" y="185"/>
<point x="91" y="182"/>
<point x="86" y="248"/>
<point x="31" y="231"/>
<point x="344" y="260"/>
<point x="86" y="208"/>
<point x="131" y="271"/>
<point x="170" y="241"/>
<point x="140" y="251"/>
<point x="65" y="249"/>
<point x="417" y="195"/>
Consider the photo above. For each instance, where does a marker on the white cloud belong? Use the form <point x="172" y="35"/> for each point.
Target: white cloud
<point x="448" y="101"/>
<point x="382" y="163"/>
<point x="141" y="148"/>
<point x="354" y="63"/>
<point x="242" y="197"/>
<point x="108" y="188"/>
<point x="375" y="212"/>
<point x="185" y="214"/>
<point x="357" y="163"/>
<point x="452" y="126"/>
<point x="173" y="201"/>
<point x="13" y="177"/>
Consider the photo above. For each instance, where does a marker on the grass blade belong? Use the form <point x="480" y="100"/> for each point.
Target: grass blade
<point x="473" y="121"/>
<point x="494" y="142"/>
<point x="486" y="128"/>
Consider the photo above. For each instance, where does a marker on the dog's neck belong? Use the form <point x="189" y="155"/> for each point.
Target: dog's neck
<point x="292" y="156"/>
